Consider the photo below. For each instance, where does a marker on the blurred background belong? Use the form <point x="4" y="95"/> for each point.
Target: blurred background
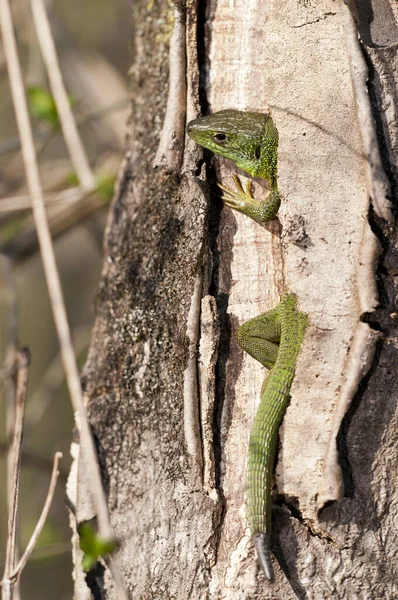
<point x="92" y="40"/>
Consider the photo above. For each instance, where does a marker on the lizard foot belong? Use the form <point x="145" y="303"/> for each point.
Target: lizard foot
<point x="243" y="201"/>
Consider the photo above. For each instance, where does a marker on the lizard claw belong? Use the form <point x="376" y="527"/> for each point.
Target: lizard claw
<point x="237" y="199"/>
<point x="242" y="200"/>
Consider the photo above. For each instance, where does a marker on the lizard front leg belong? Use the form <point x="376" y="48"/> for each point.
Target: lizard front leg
<point x="242" y="200"/>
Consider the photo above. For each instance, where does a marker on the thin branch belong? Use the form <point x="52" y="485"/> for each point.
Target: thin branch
<point x="22" y="364"/>
<point x="51" y="272"/>
<point x="76" y="149"/>
<point x="42" y="519"/>
<point x="115" y="572"/>
<point x="10" y="294"/>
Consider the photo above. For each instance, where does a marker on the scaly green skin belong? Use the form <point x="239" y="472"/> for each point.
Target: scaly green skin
<point x="250" y="140"/>
<point x="274" y="339"/>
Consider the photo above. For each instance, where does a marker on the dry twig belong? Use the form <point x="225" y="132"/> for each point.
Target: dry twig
<point x="10" y="295"/>
<point x="42" y="519"/>
<point x="22" y="364"/>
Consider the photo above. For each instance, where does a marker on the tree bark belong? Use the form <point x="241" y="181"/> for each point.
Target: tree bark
<point x="171" y="397"/>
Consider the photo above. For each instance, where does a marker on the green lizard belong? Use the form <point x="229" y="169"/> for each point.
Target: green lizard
<point x="274" y="339"/>
<point x="250" y="140"/>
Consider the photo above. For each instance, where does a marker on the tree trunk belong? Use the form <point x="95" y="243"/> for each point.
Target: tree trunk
<point x="171" y="396"/>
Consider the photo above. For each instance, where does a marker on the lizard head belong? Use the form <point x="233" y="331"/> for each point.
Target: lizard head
<point x="249" y="139"/>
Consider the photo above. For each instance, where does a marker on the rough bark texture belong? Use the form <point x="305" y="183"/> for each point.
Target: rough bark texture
<point x="171" y="417"/>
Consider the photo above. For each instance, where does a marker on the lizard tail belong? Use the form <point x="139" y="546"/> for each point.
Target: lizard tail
<point x="263" y="547"/>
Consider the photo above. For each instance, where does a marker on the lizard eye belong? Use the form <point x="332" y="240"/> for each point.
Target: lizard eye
<point x="220" y="138"/>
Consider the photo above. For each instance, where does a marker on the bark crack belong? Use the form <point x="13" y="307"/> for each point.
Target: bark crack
<point x="313" y="530"/>
<point x="314" y="21"/>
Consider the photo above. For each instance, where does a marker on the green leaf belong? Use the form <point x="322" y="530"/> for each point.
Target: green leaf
<point x="93" y="546"/>
<point x="88" y="562"/>
<point x="42" y="106"/>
